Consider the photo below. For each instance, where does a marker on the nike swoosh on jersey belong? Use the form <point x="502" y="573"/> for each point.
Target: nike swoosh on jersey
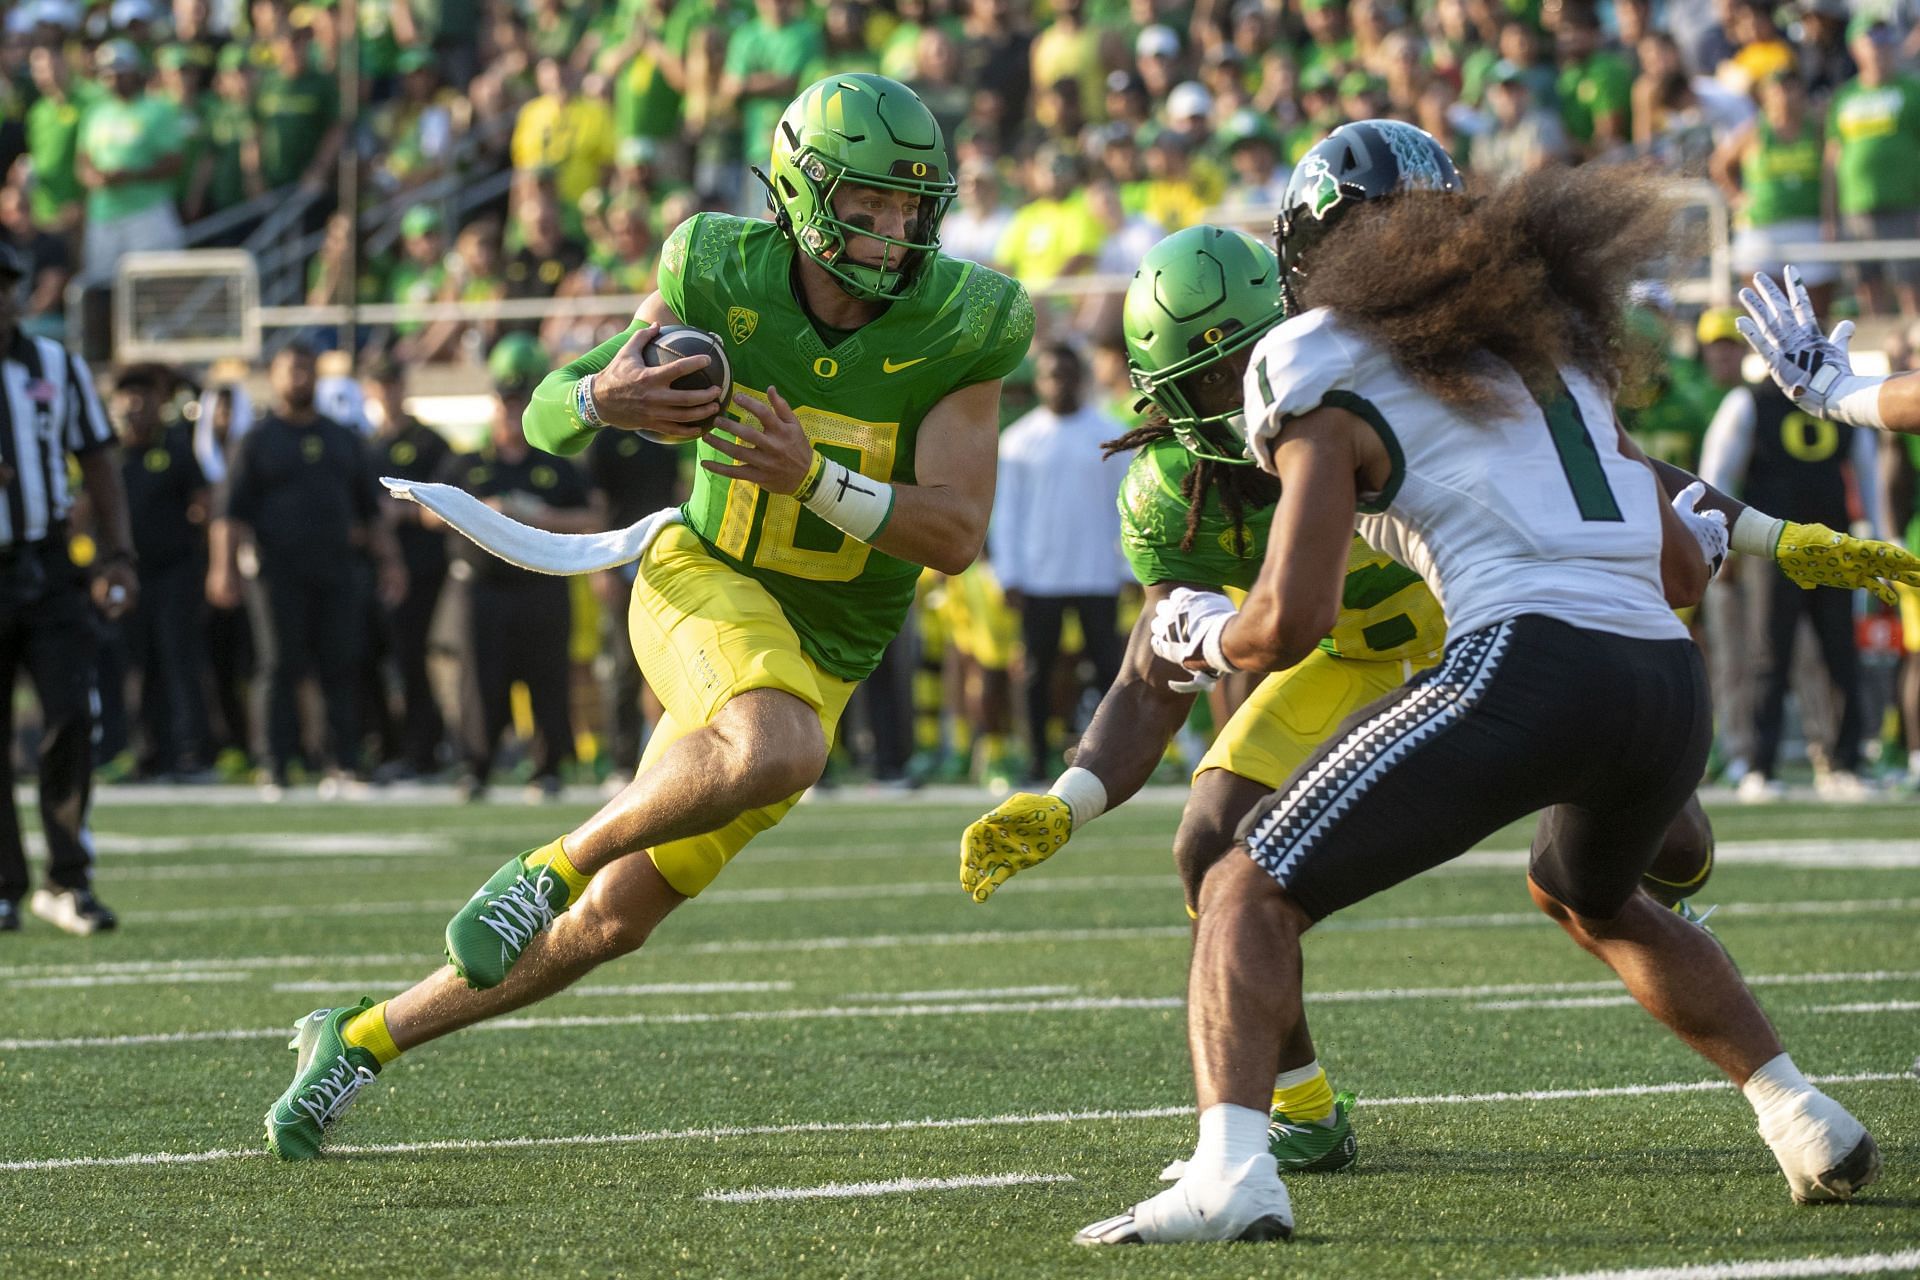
<point x="888" y="366"/>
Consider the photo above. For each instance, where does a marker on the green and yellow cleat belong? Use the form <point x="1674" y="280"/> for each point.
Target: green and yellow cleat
<point x="486" y="936"/>
<point x="1315" y="1148"/>
<point x="326" y="1076"/>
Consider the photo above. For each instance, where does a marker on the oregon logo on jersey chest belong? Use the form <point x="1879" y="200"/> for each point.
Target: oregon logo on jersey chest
<point x="826" y="368"/>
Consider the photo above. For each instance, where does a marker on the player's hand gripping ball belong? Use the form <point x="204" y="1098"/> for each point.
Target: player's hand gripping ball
<point x="1022" y="831"/>
<point x="677" y="342"/>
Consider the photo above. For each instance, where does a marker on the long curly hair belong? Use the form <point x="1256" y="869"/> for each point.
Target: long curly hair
<point x="1532" y="276"/>
<point x="1239" y="487"/>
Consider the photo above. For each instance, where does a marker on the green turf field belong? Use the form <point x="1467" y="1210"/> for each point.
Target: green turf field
<point x="835" y="1011"/>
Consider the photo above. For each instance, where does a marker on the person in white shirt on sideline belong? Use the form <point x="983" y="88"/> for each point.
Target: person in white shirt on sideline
<point x="1055" y="537"/>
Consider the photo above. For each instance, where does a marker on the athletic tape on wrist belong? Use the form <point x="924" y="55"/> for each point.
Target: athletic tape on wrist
<point x="1756" y="533"/>
<point x="1085" y="794"/>
<point x="850" y="502"/>
<point x="1211" y="650"/>
<point x="583" y="403"/>
<point x="1859" y="405"/>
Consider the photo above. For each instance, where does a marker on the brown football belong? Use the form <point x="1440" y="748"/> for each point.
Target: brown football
<point x="675" y="341"/>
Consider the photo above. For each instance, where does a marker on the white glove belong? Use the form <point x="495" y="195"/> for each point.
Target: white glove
<point x="1188" y="624"/>
<point x="1814" y="369"/>
<point x="1709" y="528"/>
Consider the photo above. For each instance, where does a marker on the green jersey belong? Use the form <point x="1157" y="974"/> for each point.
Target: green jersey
<point x="1781" y="176"/>
<point x="1386" y="612"/>
<point x="118" y="135"/>
<point x="861" y="401"/>
<point x="1878" y="129"/>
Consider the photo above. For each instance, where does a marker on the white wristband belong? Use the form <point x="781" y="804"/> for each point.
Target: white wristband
<point x="853" y="503"/>
<point x="1756" y="534"/>
<point x="1085" y="794"/>
<point x="1859" y="404"/>
<point x="1211" y="650"/>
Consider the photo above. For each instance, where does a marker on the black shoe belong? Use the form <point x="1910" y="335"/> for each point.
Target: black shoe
<point x="9" y="916"/>
<point x="75" y="910"/>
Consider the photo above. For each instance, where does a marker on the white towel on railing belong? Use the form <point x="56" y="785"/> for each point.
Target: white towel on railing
<point x="536" y="549"/>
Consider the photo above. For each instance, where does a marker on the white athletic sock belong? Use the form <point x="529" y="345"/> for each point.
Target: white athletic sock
<point x="1774" y="1085"/>
<point x="1229" y="1136"/>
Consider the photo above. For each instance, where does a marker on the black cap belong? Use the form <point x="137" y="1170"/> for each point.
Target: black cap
<point x="12" y="261"/>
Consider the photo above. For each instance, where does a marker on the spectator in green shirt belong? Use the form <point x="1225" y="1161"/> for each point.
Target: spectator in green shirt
<point x="130" y="150"/>
<point x="183" y="82"/>
<point x="298" y="109"/>
<point x="1595" y="86"/>
<point x="421" y="273"/>
<point x="765" y="59"/>
<point x="229" y="171"/>
<point x="53" y="134"/>
<point x="1873" y="159"/>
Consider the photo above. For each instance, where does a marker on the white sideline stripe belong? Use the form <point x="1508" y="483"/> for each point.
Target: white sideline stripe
<point x="872" y="1126"/>
<point x="964" y="993"/>
<point x="1885" y="1006"/>
<point x="1077" y="1005"/>
<point x="641" y="989"/>
<point x="1859" y="1264"/>
<point x="1602" y="984"/>
<point x="850" y="1190"/>
<point x="208" y="962"/>
<point x="1860" y="855"/>
<point x="124" y="979"/>
<point x="267" y="843"/>
<point x="1560" y="1002"/>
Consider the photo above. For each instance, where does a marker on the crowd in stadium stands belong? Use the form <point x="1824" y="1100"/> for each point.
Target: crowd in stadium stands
<point x="1080" y="131"/>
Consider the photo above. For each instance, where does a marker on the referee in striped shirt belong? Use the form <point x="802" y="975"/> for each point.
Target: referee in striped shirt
<point x="48" y="410"/>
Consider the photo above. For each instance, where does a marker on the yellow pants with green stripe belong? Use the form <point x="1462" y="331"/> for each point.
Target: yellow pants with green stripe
<point x="705" y="633"/>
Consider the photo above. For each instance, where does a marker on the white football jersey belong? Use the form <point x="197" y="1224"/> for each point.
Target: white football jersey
<point x="1534" y="510"/>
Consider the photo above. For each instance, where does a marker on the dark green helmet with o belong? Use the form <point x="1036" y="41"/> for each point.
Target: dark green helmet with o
<point x="861" y="130"/>
<point x="1200" y="296"/>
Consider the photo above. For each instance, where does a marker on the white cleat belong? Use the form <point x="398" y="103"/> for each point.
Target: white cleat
<point x="1248" y="1202"/>
<point x="1826" y="1154"/>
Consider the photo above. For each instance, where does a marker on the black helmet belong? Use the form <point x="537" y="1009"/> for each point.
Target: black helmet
<point x="1366" y="160"/>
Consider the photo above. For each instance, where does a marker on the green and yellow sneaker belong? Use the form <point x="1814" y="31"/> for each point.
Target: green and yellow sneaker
<point x="326" y="1076"/>
<point x="486" y="936"/>
<point x="1315" y="1148"/>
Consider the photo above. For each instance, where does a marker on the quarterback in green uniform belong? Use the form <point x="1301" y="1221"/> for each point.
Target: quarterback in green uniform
<point x="860" y="446"/>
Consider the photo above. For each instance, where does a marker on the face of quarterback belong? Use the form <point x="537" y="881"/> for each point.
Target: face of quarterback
<point x="883" y="212"/>
<point x="1216" y="388"/>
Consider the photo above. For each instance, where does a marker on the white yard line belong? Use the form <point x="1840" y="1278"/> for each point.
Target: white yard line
<point x="1858" y="855"/>
<point x="125" y="979"/>
<point x="1559" y="1002"/>
<point x="850" y="1190"/>
<point x="591" y="989"/>
<point x="1884" y="1006"/>
<point x="1859" y="1264"/>
<point x="876" y="1126"/>
<point x="829" y="1012"/>
<point x="963" y="993"/>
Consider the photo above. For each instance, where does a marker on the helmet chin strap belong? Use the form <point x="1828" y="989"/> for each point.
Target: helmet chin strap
<point x="780" y="218"/>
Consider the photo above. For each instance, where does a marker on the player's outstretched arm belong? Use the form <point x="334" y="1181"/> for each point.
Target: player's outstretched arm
<point x="1816" y="369"/>
<point x="1811" y="555"/>
<point x="1123" y="744"/>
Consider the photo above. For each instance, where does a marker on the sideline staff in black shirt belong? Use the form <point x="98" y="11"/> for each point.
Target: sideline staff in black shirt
<point x="303" y="492"/>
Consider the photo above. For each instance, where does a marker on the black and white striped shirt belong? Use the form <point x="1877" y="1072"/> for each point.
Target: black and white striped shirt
<point x="48" y="409"/>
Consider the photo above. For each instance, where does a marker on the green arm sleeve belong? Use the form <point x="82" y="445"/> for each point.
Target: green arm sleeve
<point x="550" y="422"/>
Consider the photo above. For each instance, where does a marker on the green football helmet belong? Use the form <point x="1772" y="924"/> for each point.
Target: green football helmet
<point x="1200" y="296"/>
<point x="864" y="130"/>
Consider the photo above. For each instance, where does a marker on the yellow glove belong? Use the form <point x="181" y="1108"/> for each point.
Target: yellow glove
<point x="1022" y="831"/>
<point x="1812" y="555"/>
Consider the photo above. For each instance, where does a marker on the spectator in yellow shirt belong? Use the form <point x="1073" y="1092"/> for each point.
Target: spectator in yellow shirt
<point x="563" y="131"/>
<point x="1054" y="234"/>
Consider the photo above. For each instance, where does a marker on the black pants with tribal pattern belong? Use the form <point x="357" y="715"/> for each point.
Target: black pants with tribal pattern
<point x="1608" y="734"/>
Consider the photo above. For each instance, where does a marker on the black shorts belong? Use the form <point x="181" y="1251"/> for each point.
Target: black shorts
<point x="1609" y="735"/>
